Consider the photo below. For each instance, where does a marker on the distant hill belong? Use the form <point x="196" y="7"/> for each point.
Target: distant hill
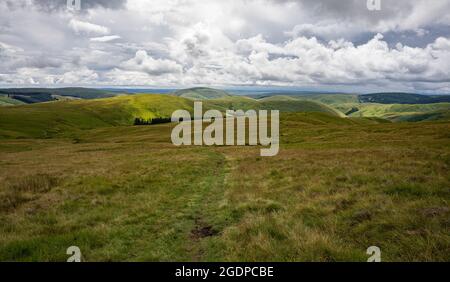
<point x="45" y="120"/>
<point x="331" y="99"/>
<point x="201" y="93"/>
<point x="443" y="115"/>
<point x="66" y="117"/>
<point x="38" y="95"/>
<point x="281" y="103"/>
<point x="403" y="98"/>
<point x="6" y="101"/>
<point x="278" y="98"/>
<point x="402" y="112"/>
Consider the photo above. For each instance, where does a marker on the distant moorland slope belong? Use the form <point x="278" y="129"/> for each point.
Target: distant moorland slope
<point x="403" y="98"/>
<point x="63" y="117"/>
<point x="201" y="93"/>
<point x="49" y="119"/>
<point x="395" y="107"/>
<point x="38" y="95"/>
<point x="391" y="106"/>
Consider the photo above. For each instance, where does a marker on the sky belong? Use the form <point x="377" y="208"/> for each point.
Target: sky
<point x="305" y="44"/>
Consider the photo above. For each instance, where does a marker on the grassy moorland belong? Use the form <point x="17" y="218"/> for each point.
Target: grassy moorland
<point x="66" y="118"/>
<point x="125" y="193"/>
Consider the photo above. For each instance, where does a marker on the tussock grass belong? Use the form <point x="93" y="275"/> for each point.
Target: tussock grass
<point x="125" y="193"/>
<point x="24" y="189"/>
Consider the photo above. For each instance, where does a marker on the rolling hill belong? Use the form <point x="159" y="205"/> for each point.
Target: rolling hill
<point x="6" y="101"/>
<point x="201" y="93"/>
<point x="281" y="103"/>
<point x="403" y="98"/>
<point x="328" y="99"/>
<point x="402" y="112"/>
<point x="409" y="107"/>
<point x="397" y="107"/>
<point x="38" y="95"/>
<point x="63" y="117"/>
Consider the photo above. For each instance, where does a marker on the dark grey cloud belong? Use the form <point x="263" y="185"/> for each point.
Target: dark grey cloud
<point x="350" y="9"/>
<point x="54" y="5"/>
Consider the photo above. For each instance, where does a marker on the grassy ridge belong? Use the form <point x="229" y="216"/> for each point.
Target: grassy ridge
<point x="201" y="93"/>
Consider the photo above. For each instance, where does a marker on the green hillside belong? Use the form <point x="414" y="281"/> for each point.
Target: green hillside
<point x="49" y="119"/>
<point x="201" y="93"/>
<point x="403" y="98"/>
<point x="6" y="101"/>
<point x="298" y="106"/>
<point x="281" y="103"/>
<point x="232" y="103"/>
<point x="279" y="98"/>
<point x="39" y="95"/>
<point x="428" y="116"/>
<point x="338" y="102"/>
<point x="65" y="117"/>
<point x="331" y="99"/>
<point x="408" y="109"/>
<point x="400" y="112"/>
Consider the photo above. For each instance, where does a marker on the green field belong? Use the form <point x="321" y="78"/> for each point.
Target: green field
<point x="78" y="173"/>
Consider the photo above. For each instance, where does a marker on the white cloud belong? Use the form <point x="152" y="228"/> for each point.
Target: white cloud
<point x="105" y="38"/>
<point x="251" y="42"/>
<point x="80" y="27"/>
<point x="144" y="63"/>
<point x="8" y="50"/>
<point x="83" y="76"/>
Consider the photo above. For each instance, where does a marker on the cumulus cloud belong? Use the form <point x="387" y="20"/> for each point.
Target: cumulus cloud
<point x="54" y="5"/>
<point x="142" y="62"/>
<point x="87" y="27"/>
<point x="306" y="43"/>
<point x="83" y="76"/>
